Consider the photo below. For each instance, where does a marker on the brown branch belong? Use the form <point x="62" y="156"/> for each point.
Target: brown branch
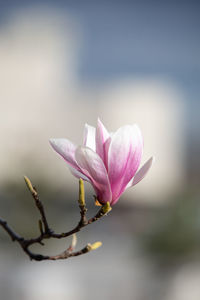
<point x="66" y="254"/>
<point x="39" y="205"/>
<point x="14" y="236"/>
<point x="47" y="233"/>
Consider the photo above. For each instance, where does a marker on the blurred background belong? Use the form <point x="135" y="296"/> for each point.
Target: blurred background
<point x="64" y="64"/>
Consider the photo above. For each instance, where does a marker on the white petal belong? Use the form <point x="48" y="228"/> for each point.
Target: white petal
<point x="89" y="137"/>
<point x="78" y="174"/>
<point x="66" y="149"/>
<point x="141" y="173"/>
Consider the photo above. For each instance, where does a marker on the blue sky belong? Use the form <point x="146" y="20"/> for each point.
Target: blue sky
<point x="134" y="37"/>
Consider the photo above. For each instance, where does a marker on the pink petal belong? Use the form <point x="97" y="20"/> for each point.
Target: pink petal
<point x="89" y="137"/>
<point x="102" y="136"/>
<point x="124" y="158"/>
<point x="66" y="149"/>
<point x="106" y="149"/>
<point x="93" y="167"/>
<point x="141" y="173"/>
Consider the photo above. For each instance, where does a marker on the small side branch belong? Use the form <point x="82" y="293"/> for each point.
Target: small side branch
<point x="14" y="236"/>
<point x="39" y="205"/>
<point x="47" y="233"/>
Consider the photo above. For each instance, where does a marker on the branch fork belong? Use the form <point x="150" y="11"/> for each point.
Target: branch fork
<point x="47" y="233"/>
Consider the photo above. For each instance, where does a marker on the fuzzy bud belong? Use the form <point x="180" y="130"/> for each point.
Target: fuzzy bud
<point x="94" y="246"/>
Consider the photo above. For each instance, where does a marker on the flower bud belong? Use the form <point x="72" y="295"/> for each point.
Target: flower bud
<point x="29" y="185"/>
<point x="106" y="208"/>
<point x="94" y="246"/>
<point x="74" y="241"/>
<point x="81" y="193"/>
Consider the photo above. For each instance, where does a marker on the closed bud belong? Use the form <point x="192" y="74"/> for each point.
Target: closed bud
<point x="106" y="208"/>
<point x="29" y="185"/>
<point x="94" y="246"/>
<point x="74" y="241"/>
<point x="81" y="193"/>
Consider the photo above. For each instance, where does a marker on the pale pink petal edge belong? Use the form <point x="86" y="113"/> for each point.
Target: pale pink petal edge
<point x="78" y="174"/>
<point x="141" y="173"/>
<point x="66" y="149"/>
<point x="102" y="135"/>
<point x="89" y="135"/>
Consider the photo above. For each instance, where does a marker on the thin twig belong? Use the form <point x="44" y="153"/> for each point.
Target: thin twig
<point x="38" y="204"/>
<point x="47" y="233"/>
<point x="14" y="236"/>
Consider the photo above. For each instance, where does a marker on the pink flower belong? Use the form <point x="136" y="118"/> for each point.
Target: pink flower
<point x="109" y="161"/>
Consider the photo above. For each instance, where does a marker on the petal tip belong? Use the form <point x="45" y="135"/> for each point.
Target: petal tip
<point x="100" y="124"/>
<point x="137" y="127"/>
<point x="86" y="125"/>
<point x="52" y="141"/>
<point x="152" y="160"/>
<point x="98" y="120"/>
<point x="55" y="142"/>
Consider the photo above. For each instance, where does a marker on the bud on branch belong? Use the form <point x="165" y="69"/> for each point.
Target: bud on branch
<point x="47" y="233"/>
<point x="109" y="162"/>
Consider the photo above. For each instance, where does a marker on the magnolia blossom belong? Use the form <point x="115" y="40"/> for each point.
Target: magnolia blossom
<point x="109" y="161"/>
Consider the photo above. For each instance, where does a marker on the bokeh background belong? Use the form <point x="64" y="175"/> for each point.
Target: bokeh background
<point x="64" y="64"/>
